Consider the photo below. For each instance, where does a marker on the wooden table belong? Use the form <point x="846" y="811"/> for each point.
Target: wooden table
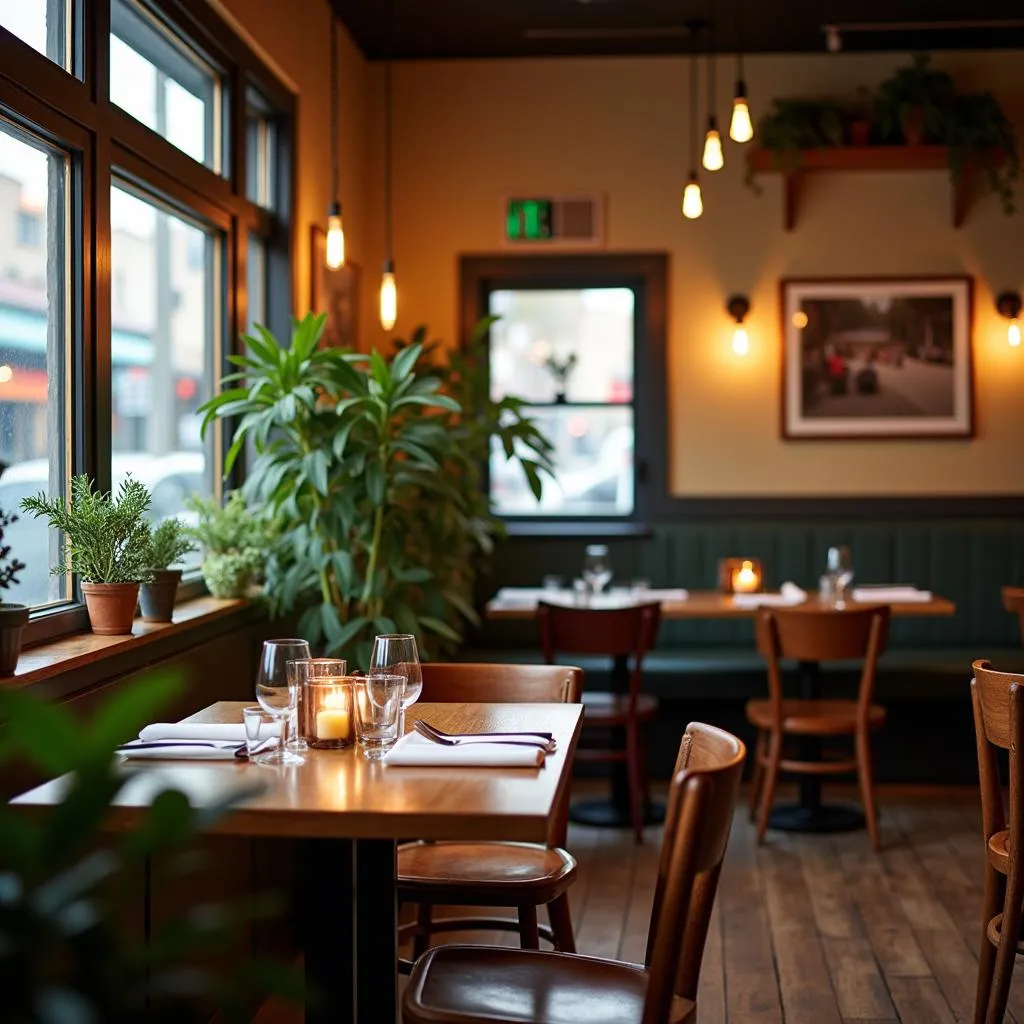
<point x="349" y="812"/>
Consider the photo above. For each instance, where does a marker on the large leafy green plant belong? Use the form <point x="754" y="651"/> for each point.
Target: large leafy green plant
<point x="371" y="471"/>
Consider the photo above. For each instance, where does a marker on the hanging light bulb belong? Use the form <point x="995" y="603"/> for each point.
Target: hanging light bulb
<point x="713" y="159"/>
<point x="693" y="204"/>
<point x="1013" y="334"/>
<point x="740" y="127"/>
<point x="335" y="238"/>
<point x="334" y="255"/>
<point x="388" y="297"/>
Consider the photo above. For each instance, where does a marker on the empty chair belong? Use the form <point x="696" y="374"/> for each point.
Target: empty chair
<point x="474" y="984"/>
<point x="813" y="636"/>
<point x="998" y="699"/>
<point x="1013" y="601"/>
<point x="622" y="633"/>
<point x="522" y="876"/>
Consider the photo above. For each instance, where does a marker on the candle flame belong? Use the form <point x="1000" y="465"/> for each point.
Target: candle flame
<point x="334" y="699"/>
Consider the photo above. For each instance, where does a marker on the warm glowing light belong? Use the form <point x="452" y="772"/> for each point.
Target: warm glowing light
<point x="335" y="239"/>
<point x="746" y="580"/>
<point x="713" y="160"/>
<point x="740" y="342"/>
<point x="740" y="127"/>
<point x="799" y="319"/>
<point x="333" y="699"/>
<point x="1012" y="336"/>
<point x="388" y="299"/>
<point x="693" y="205"/>
<point x="6" y="373"/>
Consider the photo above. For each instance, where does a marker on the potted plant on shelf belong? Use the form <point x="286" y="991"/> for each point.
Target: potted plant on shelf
<point x="234" y="543"/>
<point x="861" y="118"/>
<point x="793" y="125"/>
<point x="561" y="370"/>
<point x="168" y="543"/>
<point x="911" y="103"/>
<point x="981" y="136"/>
<point x="106" y="542"/>
<point x="13" y="617"/>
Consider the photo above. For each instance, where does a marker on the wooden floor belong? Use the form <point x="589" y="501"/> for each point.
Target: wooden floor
<point x="815" y="929"/>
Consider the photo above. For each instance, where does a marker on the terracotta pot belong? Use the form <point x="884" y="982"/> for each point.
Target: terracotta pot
<point x="111" y="607"/>
<point x="157" y="598"/>
<point x="860" y="131"/>
<point x="913" y="126"/>
<point x="13" y="620"/>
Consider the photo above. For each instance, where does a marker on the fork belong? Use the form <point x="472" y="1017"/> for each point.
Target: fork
<point x="541" y="741"/>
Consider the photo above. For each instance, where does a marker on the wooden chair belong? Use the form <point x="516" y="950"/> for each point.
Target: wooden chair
<point x="816" y="636"/>
<point x="474" y="984"/>
<point x="998" y="699"/>
<point x="621" y="633"/>
<point x="523" y="876"/>
<point x="1013" y="601"/>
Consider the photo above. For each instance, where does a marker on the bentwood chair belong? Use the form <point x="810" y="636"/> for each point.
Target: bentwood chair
<point x="998" y="699"/>
<point x="622" y="632"/>
<point x="490" y="985"/>
<point x="520" y="876"/>
<point x="1013" y="601"/>
<point x="816" y="635"/>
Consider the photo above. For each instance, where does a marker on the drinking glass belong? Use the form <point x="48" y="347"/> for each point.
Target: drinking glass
<point x="597" y="567"/>
<point x="840" y="573"/>
<point x="257" y="730"/>
<point x="397" y="653"/>
<point x="278" y="694"/>
<point x="378" y="704"/>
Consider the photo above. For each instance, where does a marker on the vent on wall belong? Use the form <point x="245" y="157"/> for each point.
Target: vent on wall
<point x="545" y="222"/>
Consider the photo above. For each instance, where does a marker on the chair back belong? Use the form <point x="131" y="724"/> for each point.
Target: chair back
<point x="823" y="635"/>
<point x="998" y="700"/>
<point x="467" y="683"/>
<point x="701" y="802"/>
<point x="1013" y="601"/>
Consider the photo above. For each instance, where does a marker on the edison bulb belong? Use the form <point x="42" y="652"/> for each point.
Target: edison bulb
<point x="1013" y="334"/>
<point x="693" y="205"/>
<point x="388" y="299"/>
<point x="740" y="127"/>
<point x="713" y="160"/>
<point x="740" y="342"/>
<point x="335" y="239"/>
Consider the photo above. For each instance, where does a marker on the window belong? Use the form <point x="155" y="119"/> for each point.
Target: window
<point x="157" y="78"/>
<point x="569" y="353"/>
<point x="33" y="350"/>
<point x="257" y="274"/>
<point x="261" y="147"/>
<point x="43" y="24"/>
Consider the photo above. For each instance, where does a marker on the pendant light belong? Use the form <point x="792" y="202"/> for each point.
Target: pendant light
<point x="388" y="289"/>
<point x="713" y="159"/>
<point x="693" y="205"/>
<point x="335" y="248"/>
<point x="740" y="127"/>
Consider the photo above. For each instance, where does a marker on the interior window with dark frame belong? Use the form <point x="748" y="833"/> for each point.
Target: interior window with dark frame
<point x="44" y="24"/>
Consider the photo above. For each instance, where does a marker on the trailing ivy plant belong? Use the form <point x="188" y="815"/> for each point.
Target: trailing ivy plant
<point x="371" y="471"/>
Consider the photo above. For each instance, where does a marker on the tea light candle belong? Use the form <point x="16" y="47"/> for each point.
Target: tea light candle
<point x="745" y="579"/>
<point x="332" y="720"/>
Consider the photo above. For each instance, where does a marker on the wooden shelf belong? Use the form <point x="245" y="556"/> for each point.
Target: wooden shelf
<point x="857" y="158"/>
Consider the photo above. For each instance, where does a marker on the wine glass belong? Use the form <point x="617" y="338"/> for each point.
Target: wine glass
<point x="597" y="567"/>
<point x="396" y="653"/>
<point x="840" y="572"/>
<point x="278" y="694"/>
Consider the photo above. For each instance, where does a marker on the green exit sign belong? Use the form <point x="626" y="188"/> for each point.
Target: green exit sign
<point x="529" y="220"/>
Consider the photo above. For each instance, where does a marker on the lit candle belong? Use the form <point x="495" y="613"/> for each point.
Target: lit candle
<point x="332" y="718"/>
<point x="745" y="579"/>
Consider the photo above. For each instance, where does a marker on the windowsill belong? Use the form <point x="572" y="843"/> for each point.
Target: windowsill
<point x="56" y="657"/>
<point x="581" y="529"/>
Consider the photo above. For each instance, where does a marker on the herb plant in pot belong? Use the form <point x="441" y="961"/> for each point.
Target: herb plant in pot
<point x="168" y="544"/>
<point x="234" y="542"/>
<point x="106" y="542"/>
<point x="13" y="617"/>
<point x="912" y="103"/>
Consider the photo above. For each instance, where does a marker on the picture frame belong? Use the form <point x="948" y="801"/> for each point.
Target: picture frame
<point x="877" y="358"/>
<point x="334" y="292"/>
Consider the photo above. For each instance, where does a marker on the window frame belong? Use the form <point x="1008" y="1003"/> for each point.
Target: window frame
<point x="646" y="275"/>
<point x="72" y="110"/>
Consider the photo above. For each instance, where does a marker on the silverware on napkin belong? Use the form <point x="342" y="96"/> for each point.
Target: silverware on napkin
<point x="542" y="741"/>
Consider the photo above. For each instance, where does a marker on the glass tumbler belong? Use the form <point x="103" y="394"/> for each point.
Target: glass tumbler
<point x="378" y="700"/>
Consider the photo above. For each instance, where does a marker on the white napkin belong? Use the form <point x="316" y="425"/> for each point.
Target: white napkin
<point x="890" y="595"/>
<point x="234" y="733"/>
<point x="789" y="594"/>
<point x="414" y="749"/>
<point x="186" y="752"/>
<point x="525" y="597"/>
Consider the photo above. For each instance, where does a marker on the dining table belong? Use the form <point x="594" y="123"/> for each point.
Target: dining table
<point x="809" y="813"/>
<point x="348" y="813"/>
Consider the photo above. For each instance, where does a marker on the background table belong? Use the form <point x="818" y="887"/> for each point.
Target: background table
<point x="349" y="812"/>
<point x="809" y="814"/>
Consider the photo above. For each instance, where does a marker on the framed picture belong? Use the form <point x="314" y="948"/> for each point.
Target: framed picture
<point x="877" y="358"/>
<point x="336" y="293"/>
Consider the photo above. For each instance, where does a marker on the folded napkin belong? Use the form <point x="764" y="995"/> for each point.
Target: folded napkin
<point x="200" y="731"/>
<point x="414" y="749"/>
<point x="789" y="594"/>
<point x="185" y="752"/>
<point x="526" y="597"/>
<point x="890" y="595"/>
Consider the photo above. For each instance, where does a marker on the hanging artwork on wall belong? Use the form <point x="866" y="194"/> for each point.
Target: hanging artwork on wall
<point x="877" y="358"/>
<point x="336" y="293"/>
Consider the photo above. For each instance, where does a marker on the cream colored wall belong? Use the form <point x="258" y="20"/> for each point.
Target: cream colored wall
<point x="468" y="133"/>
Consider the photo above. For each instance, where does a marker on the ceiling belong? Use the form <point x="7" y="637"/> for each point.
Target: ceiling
<point x="521" y="28"/>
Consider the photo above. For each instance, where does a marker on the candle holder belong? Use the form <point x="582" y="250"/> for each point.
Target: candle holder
<point x="740" y="576"/>
<point x="325" y="704"/>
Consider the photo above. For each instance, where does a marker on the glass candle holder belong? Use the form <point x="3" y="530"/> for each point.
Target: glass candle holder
<point x="326" y="719"/>
<point x="740" y="576"/>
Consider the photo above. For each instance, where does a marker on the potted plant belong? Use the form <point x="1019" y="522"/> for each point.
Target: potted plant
<point x="859" y="125"/>
<point x="13" y="617"/>
<point x="793" y="125"/>
<point x="168" y="544"/>
<point x="561" y="370"/>
<point x="106" y="544"/>
<point x="911" y="103"/>
<point x="234" y="543"/>
<point x="981" y="136"/>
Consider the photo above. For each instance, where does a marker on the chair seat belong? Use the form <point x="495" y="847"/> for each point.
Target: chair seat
<point x="999" y="851"/>
<point x="608" y="708"/>
<point x="492" y="985"/>
<point x="814" y="717"/>
<point x="502" y="874"/>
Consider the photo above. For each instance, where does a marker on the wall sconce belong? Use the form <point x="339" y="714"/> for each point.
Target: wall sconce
<point x="738" y="307"/>
<point x="1008" y="304"/>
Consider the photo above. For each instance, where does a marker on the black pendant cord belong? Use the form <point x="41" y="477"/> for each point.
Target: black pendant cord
<point x="711" y="67"/>
<point x="693" y="113"/>
<point x="335" y="160"/>
<point x="388" y="227"/>
<point x="739" y="41"/>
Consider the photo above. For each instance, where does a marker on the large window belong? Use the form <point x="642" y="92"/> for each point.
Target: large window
<point x="43" y="24"/>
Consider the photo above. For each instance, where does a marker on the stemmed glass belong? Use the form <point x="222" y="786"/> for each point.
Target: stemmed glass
<point x="278" y="694"/>
<point x="397" y="654"/>
<point x="597" y="567"/>
<point x="840" y="573"/>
